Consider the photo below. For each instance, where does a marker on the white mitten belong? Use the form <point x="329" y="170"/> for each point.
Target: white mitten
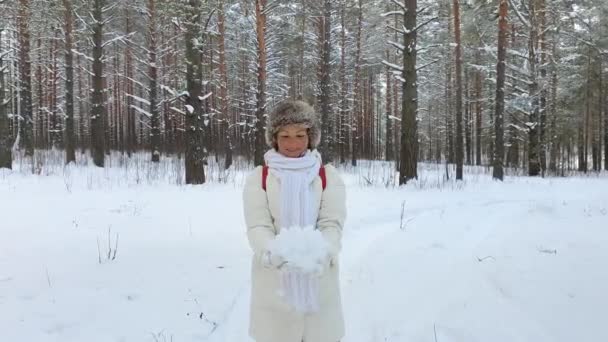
<point x="271" y="260"/>
<point x="322" y="266"/>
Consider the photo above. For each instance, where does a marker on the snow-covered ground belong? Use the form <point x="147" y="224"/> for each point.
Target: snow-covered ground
<point x="107" y="255"/>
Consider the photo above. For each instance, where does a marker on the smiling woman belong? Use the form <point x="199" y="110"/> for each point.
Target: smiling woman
<point x="292" y="140"/>
<point x="292" y="118"/>
<point x="290" y="302"/>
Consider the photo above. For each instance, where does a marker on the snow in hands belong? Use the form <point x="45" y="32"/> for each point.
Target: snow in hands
<point x="303" y="248"/>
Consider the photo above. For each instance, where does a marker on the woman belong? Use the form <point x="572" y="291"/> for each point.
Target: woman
<point x="294" y="190"/>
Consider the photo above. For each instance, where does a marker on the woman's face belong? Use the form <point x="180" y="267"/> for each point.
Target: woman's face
<point x="292" y="140"/>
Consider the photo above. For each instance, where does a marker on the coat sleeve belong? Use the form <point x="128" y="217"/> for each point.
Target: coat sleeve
<point x="259" y="222"/>
<point x="333" y="210"/>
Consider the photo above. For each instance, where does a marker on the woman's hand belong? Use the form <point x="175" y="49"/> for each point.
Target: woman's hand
<point x="271" y="260"/>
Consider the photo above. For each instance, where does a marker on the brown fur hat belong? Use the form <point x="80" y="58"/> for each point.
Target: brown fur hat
<point x="293" y="112"/>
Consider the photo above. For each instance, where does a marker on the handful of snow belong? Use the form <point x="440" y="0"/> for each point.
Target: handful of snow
<point x="303" y="248"/>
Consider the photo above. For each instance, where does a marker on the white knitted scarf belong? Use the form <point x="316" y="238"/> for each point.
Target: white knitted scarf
<point x="297" y="209"/>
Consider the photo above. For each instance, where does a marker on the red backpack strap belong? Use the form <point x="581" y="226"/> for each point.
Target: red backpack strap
<point x="264" y="176"/>
<point x="322" y="175"/>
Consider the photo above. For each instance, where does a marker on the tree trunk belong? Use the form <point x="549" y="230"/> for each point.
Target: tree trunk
<point x="97" y="99"/>
<point x="553" y="141"/>
<point x="153" y="78"/>
<point x="119" y="118"/>
<point x="260" y="107"/>
<point x="449" y="120"/>
<point x="39" y="121"/>
<point x="497" y="172"/>
<point x="54" y="125"/>
<point x="343" y="118"/>
<point x="70" y="154"/>
<point x="225" y="126"/>
<point x="451" y="157"/>
<point x="388" y="153"/>
<point x="131" y="140"/>
<point x="534" y="127"/>
<point x="194" y="157"/>
<point x="604" y="109"/>
<point x="83" y="136"/>
<point x="467" y="119"/>
<point x="597" y="130"/>
<point x="478" y="97"/>
<point x="327" y="135"/>
<point x="396" y="124"/>
<point x="585" y="122"/>
<point x="409" y="132"/>
<point x="6" y="157"/>
<point x="542" y="148"/>
<point x="26" y="124"/>
<point x="396" y="101"/>
<point x="357" y="112"/>
<point x="458" y="55"/>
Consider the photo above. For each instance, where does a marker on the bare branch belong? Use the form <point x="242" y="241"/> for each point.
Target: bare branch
<point x="519" y="15"/>
<point x="208" y="19"/>
<point x="424" y="23"/>
<point x="484" y="258"/>
<point x="422" y="48"/>
<point x="400" y="5"/>
<point x="426" y="65"/>
<point x="395" y="29"/>
<point x="110" y="7"/>
<point x="586" y="42"/>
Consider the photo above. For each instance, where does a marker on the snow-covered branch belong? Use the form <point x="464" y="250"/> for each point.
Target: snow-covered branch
<point x="422" y="48"/>
<point x="177" y="110"/>
<point x="170" y="90"/>
<point x="135" y="81"/>
<point x="386" y="14"/>
<point x="110" y="7"/>
<point x="393" y="66"/>
<point x="141" y="111"/>
<point x="270" y="7"/>
<point x="586" y="42"/>
<point x="519" y="15"/>
<point x="517" y="53"/>
<point x="397" y="45"/>
<point x="106" y="20"/>
<point x="137" y="98"/>
<point x="203" y="98"/>
<point x="84" y="22"/>
<point x="76" y="52"/>
<point x="518" y="80"/>
<point x="517" y="69"/>
<point x="120" y="38"/>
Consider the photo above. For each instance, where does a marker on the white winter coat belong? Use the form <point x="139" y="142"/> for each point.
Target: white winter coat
<point x="271" y="318"/>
